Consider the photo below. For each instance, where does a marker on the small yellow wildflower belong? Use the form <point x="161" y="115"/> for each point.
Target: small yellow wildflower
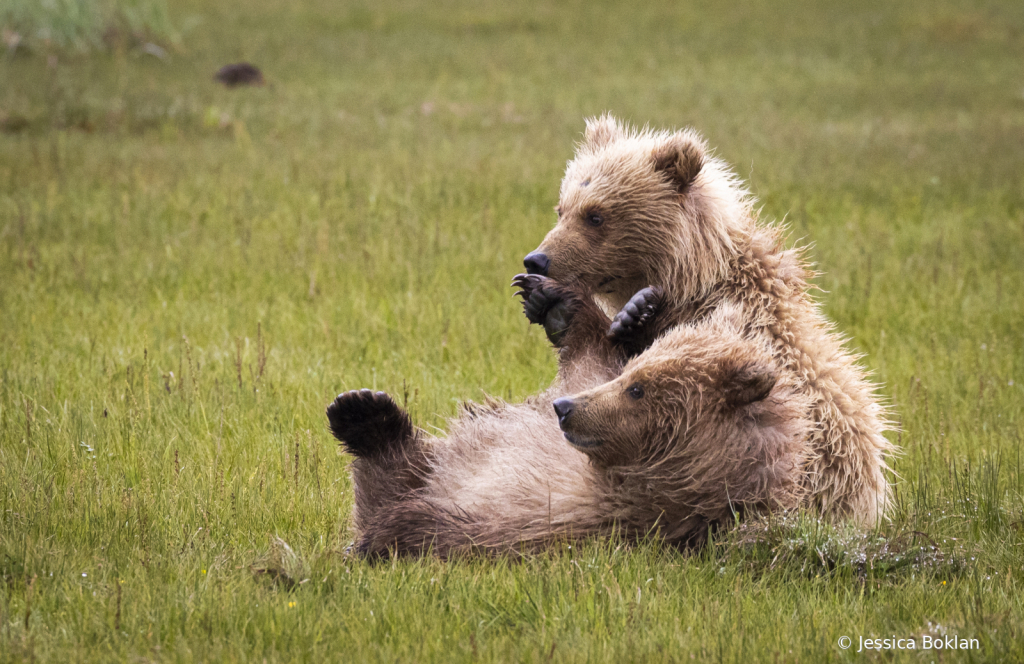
<point x="204" y="571"/>
<point x="291" y="605"/>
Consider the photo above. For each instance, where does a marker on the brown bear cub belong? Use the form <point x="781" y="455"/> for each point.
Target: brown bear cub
<point x="662" y="232"/>
<point x="701" y="427"/>
<point x="393" y="460"/>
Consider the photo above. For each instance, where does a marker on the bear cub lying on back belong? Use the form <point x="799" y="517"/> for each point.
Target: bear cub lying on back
<point x="699" y="427"/>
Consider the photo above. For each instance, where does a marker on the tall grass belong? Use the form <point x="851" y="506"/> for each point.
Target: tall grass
<point x="84" y="25"/>
<point x="188" y="274"/>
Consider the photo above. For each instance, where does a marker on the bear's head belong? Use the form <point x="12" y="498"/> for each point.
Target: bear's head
<point x="642" y="208"/>
<point x="705" y="410"/>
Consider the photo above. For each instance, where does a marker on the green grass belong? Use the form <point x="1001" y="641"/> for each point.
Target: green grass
<point x="188" y="274"/>
<point x="80" y="26"/>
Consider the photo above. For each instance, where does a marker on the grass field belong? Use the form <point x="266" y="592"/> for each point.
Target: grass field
<point x="188" y="274"/>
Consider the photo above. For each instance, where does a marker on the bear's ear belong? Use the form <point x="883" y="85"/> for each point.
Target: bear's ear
<point x="748" y="383"/>
<point x="680" y="158"/>
<point x="601" y="131"/>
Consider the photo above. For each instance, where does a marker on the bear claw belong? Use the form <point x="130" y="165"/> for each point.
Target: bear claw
<point x="368" y="423"/>
<point x="538" y="296"/>
<point x="544" y="303"/>
<point x="637" y="314"/>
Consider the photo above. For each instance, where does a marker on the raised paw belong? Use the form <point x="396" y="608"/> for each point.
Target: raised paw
<point x="636" y="315"/>
<point x="539" y="295"/>
<point x="544" y="303"/>
<point x="369" y="424"/>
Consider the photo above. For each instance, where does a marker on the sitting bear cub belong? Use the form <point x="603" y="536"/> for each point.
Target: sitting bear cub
<point x="700" y="427"/>
<point x="663" y="233"/>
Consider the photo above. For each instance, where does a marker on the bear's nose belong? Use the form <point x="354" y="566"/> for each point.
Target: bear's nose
<point x="563" y="408"/>
<point x="537" y="262"/>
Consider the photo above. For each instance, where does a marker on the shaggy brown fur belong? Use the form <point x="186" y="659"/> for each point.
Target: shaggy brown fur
<point x="642" y="208"/>
<point x="394" y="462"/>
<point x="717" y="430"/>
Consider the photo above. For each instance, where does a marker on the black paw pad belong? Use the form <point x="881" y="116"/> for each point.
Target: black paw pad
<point x="637" y="314"/>
<point x="368" y="423"/>
<point x="544" y="303"/>
<point x="538" y="294"/>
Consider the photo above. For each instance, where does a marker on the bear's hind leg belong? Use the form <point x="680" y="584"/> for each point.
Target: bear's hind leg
<point x="369" y="424"/>
<point x="391" y="460"/>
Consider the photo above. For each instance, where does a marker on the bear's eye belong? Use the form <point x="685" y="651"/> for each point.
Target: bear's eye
<point x="635" y="391"/>
<point x="594" y="219"/>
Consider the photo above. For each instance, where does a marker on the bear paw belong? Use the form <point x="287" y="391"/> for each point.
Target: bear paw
<point x="545" y="303"/>
<point x="368" y="423"/>
<point x="636" y="315"/>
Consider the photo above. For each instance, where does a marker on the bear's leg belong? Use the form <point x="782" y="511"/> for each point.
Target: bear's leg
<point x="391" y="461"/>
<point x="414" y="527"/>
<point x="634" y="327"/>
<point x="575" y="324"/>
<point x="369" y="424"/>
<point x="421" y="525"/>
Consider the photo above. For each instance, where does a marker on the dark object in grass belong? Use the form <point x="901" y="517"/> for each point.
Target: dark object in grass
<point x="240" y="73"/>
<point x="13" y="124"/>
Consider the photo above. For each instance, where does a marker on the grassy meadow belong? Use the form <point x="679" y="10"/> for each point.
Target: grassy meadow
<point x="189" y="273"/>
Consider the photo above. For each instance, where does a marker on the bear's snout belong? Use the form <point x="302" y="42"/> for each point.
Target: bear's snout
<point x="564" y="408"/>
<point x="537" y="262"/>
